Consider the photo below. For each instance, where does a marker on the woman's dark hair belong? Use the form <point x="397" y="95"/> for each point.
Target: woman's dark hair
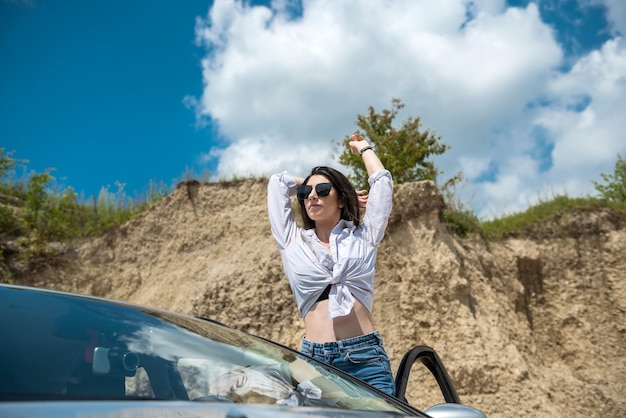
<point x="345" y="191"/>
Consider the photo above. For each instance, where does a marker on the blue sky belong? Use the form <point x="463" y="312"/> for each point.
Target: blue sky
<point x="527" y="93"/>
<point x="95" y="89"/>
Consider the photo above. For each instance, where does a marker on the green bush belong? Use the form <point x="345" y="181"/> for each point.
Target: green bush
<point x="47" y="215"/>
<point x="9" y="223"/>
<point x="405" y="152"/>
<point x="615" y="188"/>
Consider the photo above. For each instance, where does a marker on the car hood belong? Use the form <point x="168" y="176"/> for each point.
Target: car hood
<point x="172" y="409"/>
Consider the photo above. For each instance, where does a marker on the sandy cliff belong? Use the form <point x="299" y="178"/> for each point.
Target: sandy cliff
<point x="531" y="326"/>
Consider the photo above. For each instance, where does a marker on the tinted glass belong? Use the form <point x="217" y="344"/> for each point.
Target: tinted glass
<point x="56" y="346"/>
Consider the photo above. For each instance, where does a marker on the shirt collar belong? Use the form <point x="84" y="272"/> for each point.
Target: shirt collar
<point x="342" y="225"/>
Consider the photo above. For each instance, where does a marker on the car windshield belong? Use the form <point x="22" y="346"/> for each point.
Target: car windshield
<point x="60" y="346"/>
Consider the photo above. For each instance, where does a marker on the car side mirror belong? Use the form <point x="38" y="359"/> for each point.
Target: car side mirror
<point x="454" y="410"/>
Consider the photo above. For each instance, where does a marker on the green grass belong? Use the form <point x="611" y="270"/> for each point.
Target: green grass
<point x="34" y="213"/>
<point x="543" y="211"/>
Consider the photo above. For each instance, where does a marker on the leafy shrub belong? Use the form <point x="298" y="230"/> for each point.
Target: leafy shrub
<point x="405" y="152"/>
<point x="47" y="215"/>
<point x="9" y="223"/>
<point x="615" y="188"/>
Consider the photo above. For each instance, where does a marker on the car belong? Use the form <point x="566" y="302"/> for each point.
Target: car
<point x="65" y="354"/>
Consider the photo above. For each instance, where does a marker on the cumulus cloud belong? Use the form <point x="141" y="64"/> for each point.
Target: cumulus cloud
<point x="616" y="15"/>
<point x="282" y="82"/>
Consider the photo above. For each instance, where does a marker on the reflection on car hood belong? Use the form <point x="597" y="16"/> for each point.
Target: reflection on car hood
<point x="80" y="351"/>
<point x="169" y="409"/>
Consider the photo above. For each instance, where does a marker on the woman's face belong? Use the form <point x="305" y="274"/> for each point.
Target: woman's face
<point x="322" y="208"/>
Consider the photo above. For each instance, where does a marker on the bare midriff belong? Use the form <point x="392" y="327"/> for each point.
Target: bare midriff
<point x="319" y="328"/>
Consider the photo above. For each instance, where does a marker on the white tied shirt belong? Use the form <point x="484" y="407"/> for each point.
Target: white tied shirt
<point x="350" y="266"/>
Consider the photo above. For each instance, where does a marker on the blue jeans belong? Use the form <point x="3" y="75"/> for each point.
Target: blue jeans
<point x="362" y="357"/>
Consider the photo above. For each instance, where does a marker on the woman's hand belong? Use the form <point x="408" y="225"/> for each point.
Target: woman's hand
<point x="372" y="163"/>
<point x="357" y="143"/>
<point x="362" y="198"/>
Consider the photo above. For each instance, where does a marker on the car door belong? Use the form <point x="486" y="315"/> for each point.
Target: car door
<point x="451" y="405"/>
<point x="429" y="358"/>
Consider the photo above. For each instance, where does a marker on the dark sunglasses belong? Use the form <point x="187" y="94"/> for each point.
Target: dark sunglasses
<point x="322" y="190"/>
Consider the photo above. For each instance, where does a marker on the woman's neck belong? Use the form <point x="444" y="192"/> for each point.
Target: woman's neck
<point x="324" y="230"/>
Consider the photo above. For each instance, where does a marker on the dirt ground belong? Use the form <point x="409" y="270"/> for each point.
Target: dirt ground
<point x="534" y="325"/>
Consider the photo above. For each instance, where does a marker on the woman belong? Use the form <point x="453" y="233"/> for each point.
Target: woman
<point x="330" y="262"/>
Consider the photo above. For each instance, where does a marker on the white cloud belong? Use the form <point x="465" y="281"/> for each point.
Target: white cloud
<point x="616" y="14"/>
<point x="280" y="89"/>
<point x="593" y="137"/>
